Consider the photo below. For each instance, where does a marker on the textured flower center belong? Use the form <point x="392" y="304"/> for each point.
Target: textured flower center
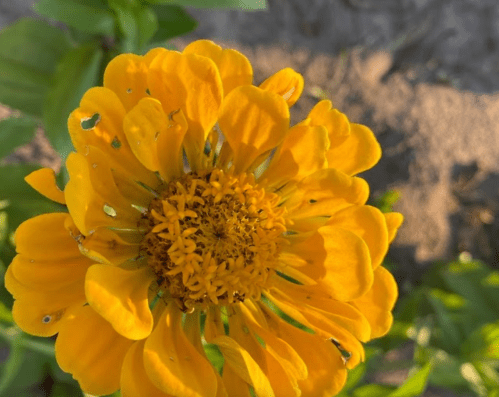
<point x="213" y="238"/>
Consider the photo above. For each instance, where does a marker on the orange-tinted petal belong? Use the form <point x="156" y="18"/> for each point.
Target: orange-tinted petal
<point x="121" y="297"/>
<point x="39" y="312"/>
<point x="315" y="305"/>
<point x="378" y="302"/>
<point x="393" y="222"/>
<point x="286" y="83"/>
<point x="369" y="224"/>
<point x="324" y="193"/>
<point x="338" y="260"/>
<point x="43" y="181"/>
<point x="126" y="76"/>
<point x="359" y="152"/>
<point x="44" y="237"/>
<point x="99" y="122"/>
<point x="253" y="122"/>
<point x="244" y="365"/>
<point x="155" y="138"/>
<point x="134" y="380"/>
<point x="93" y="198"/>
<point x="302" y="152"/>
<point x="234" y="385"/>
<point x="336" y="123"/>
<point x="173" y="364"/>
<point x="192" y="83"/>
<point x="235" y="69"/>
<point x="92" y="351"/>
<point x="326" y="371"/>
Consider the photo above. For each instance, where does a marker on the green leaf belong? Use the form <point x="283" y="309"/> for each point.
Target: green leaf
<point x="79" y="16"/>
<point x="147" y="23"/>
<point x="450" y="336"/>
<point x="482" y="344"/>
<point x="415" y="384"/>
<point x="14" y="132"/>
<point x="13" y="365"/>
<point x="214" y="355"/>
<point x="29" y="53"/>
<point x="172" y="21"/>
<point x="5" y="314"/>
<point x="373" y="391"/>
<point x="246" y="5"/>
<point x="77" y="72"/>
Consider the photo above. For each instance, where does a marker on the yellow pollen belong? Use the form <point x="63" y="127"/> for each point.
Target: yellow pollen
<point x="213" y="238"/>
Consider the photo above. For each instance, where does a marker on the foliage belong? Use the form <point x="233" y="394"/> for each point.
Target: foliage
<point x="450" y="320"/>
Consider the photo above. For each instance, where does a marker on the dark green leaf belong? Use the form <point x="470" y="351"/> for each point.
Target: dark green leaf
<point x="14" y="132"/>
<point x="29" y="53"/>
<point x="65" y="390"/>
<point x="77" y="15"/>
<point x="246" y="5"/>
<point x="77" y="72"/>
<point x="172" y="21"/>
<point x="147" y="23"/>
<point x="13" y="365"/>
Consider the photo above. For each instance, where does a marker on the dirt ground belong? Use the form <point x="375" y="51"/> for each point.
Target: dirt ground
<point x="423" y="74"/>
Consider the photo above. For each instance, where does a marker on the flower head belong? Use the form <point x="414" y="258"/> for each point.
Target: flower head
<point x="197" y="218"/>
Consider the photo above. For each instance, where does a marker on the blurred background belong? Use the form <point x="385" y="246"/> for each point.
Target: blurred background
<point x="422" y="74"/>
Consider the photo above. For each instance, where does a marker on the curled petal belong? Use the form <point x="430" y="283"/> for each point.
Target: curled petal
<point x="121" y="297"/>
<point x="286" y="83"/>
<point x="393" y="222"/>
<point x="253" y="121"/>
<point x="93" y="358"/>
<point x="43" y="181"/>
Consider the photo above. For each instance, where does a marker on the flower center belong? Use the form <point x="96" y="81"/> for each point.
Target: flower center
<point x="213" y="238"/>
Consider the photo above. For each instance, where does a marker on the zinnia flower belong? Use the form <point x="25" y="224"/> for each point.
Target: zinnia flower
<point x="197" y="217"/>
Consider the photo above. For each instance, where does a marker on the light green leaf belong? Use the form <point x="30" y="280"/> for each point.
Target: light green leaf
<point x="77" y="15"/>
<point x="147" y="23"/>
<point x="77" y="72"/>
<point x="172" y="21"/>
<point x="415" y="384"/>
<point x="29" y="53"/>
<point x="245" y="5"/>
<point x="14" y="132"/>
<point x="373" y="391"/>
<point x="5" y="314"/>
<point x="214" y="355"/>
<point x="482" y="344"/>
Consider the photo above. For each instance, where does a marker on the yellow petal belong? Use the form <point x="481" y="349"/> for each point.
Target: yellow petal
<point x="369" y="224"/>
<point x="286" y="83"/>
<point x="99" y="122"/>
<point x="324" y="193"/>
<point x="91" y="350"/>
<point x="324" y="329"/>
<point x="308" y="301"/>
<point x="191" y="83"/>
<point x="235" y="69"/>
<point x="326" y="371"/>
<point x="302" y="152"/>
<point x="156" y="138"/>
<point x="107" y="247"/>
<point x="338" y="260"/>
<point x="43" y="181"/>
<point x="282" y="383"/>
<point x="241" y="362"/>
<point x="93" y="199"/>
<point x="234" y="385"/>
<point x="120" y="296"/>
<point x="173" y="364"/>
<point x="278" y="348"/>
<point x="393" y="222"/>
<point x="253" y="122"/>
<point x="336" y="123"/>
<point x="134" y="380"/>
<point x="44" y="237"/>
<point x="126" y="76"/>
<point x="359" y="152"/>
<point x="38" y="311"/>
<point x="378" y="302"/>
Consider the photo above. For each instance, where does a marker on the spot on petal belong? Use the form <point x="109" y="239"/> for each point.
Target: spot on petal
<point x="110" y="211"/>
<point x="88" y="123"/>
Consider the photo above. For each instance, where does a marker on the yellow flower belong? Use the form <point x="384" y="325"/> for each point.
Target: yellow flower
<point x="198" y="216"/>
